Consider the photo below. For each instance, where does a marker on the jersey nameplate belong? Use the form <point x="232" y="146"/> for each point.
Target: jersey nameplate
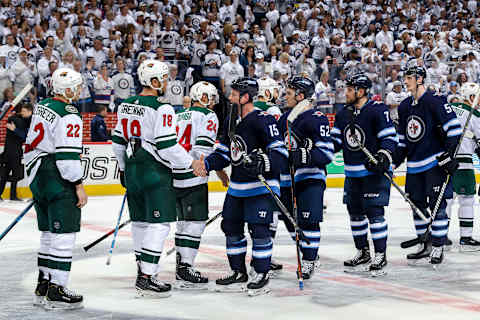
<point x="132" y="109"/>
<point x="44" y="113"/>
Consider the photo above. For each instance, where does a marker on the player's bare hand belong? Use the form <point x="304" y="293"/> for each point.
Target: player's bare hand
<point x="223" y="176"/>
<point x="11" y="126"/>
<point x="81" y="195"/>
<point x="199" y="167"/>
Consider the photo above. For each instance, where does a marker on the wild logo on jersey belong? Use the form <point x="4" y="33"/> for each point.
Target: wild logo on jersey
<point x="351" y="142"/>
<point x="238" y="149"/>
<point x="415" y="128"/>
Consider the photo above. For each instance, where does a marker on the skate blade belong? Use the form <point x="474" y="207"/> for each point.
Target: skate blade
<point x="58" y="306"/>
<point x="466" y="248"/>
<point x="38" y="301"/>
<point x="148" y="294"/>
<point x="357" y="270"/>
<point x="378" y="273"/>
<point x="274" y="274"/>
<point x="185" y="285"/>
<point x="438" y="266"/>
<point x="418" y="262"/>
<point x="232" y="288"/>
<point x="257" y="292"/>
<point x="449" y="248"/>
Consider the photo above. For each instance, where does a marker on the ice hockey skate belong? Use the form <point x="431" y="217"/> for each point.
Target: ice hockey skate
<point x="421" y="256"/>
<point x="234" y="282"/>
<point x="468" y="244"/>
<point x="41" y="290"/>
<point x="377" y="267"/>
<point x="359" y="263"/>
<point x="60" y="298"/>
<point x="149" y="287"/>
<point x="308" y="269"/>
<point x="189" y="279"/>
<point x="436" y="257"/>
<point x="259" y="285"/>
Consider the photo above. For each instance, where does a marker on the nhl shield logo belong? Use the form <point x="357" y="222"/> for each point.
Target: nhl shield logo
<point x="415" y="128"/>
<point x="237" y="150"/>
<point x="351" y="141"/>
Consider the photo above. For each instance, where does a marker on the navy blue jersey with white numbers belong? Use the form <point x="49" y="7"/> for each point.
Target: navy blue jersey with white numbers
<point x="258" y="130"/>
<point x="373" y="128"/>
<point x="313" y="125"/>
<point x="426" y="130"/>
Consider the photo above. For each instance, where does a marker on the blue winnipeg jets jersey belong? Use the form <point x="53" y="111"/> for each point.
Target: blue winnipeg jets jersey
<point x="258" y="130"/>
<point x="372" y="127"/>
<point x="426" y="130"/>
<point x="313" y="125"/>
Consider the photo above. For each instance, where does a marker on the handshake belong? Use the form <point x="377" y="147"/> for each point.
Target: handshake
<point x="198" y="167"/>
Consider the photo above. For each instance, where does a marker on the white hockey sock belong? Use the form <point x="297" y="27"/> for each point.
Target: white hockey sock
<point x="465" y="215"/>
<point x="43" y="260"/>
<point x="187" y="240"/>
<point x="61" y="251"/>
<point x="152" y="246"/>
<point x="138" y="232"/>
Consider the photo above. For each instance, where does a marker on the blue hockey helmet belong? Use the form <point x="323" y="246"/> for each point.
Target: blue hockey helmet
<point x="359" y="80"/>
<point x="246" y="85"/>
<point x="302" y="85"/>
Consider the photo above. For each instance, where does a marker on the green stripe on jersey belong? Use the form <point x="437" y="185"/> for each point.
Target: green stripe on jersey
<point x="59" y="265"/>
<point x="145" y="257"/>
<point x="187" y="243"/>
<point x="184" y="176"/>
<point x="165" y="137"/>
<point x="118" y="140"/>
<point x="166" y="144"/>
<point x="67" y="156"/>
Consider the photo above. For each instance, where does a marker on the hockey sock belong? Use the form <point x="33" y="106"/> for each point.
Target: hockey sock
<point x="420" y="225"/>
<point x="152" y="246"/>
<point x="274" y="224"/>
<point x="61" y="250"/>
<point x="138" y="232"/>
<point x="359" y="225"/>
<point x="312" y="233"/>
<point x="465" y="215"/>
<point x="378" y="228"/>
<point x="43" y="259"/>
<point x="236" y="251"/>
<point x="440" y="228"/>
<point x="187" y="239"/>
<point x="262" y="254"/>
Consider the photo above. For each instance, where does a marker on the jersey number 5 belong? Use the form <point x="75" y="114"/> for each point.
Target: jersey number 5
<point x="135" y="130"/>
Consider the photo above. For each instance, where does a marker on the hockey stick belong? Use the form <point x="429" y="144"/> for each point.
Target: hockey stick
<point x="106" y="235"/>
<point x="295" y="209"/>
<point x="212" y="219"/>
<point x="17" y="219"/>
<point x="17" y="99"/>
<point x="110" y="252"/>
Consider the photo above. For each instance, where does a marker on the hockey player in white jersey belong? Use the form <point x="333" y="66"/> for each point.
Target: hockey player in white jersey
<point x="52" y="157"/>
<point x="145" y="144"/>
<point x="197" y="131"/>
<point x="268" y="93"/>
<point x="464" y="184"/>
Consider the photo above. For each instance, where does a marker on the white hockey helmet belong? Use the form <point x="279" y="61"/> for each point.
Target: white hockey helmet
<point x="150" y="69"/>
<point x="66" y="78"/>
<point x="198" y="90"/>
<point x="468" y="90"/>
<point x="213" y="94"/>
<point x="267" y="84"/>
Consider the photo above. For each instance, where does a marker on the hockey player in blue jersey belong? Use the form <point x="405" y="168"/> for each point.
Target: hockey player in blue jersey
<point x="254" y="147"/>
<point x="308" y="132"/>
<point x="367" y="191"/>
<point x="428" y="132"/>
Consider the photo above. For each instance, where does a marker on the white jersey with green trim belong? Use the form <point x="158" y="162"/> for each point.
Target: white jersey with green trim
<point x="56" y="129"/>
<point x="469" y="144"/>
<point x="197" y="131"/>
<point x="153" y="123"/>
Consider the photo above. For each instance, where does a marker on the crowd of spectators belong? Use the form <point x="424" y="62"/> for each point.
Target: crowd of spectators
<point x="221" y="40"/>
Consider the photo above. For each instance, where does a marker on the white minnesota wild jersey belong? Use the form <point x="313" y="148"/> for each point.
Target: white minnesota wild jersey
<point x="56" y="129"/>
<point x="153" y="122"/>
<point x="197" y="131"/>
<point x="467" y="148"/>
<point x="271" y="109"/>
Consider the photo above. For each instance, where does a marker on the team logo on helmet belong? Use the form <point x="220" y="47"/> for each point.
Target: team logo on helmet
<point x="353" y="142"/>
<point x="123" y="83"/>
<point x="176" y="89"/>
<point x="415" y="128"/>
<point x="238" y="149"/>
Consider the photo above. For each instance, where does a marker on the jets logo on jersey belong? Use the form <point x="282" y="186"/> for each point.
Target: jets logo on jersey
<point x="196" y="22"/>
<point x="351" y="141"/>
<point x="12" y="55"/>
<point x="292" y="140"/>
<point x="200" y="53"/>
<point x="242" y="42"/>
<point x="123" y="83"/>
<point x="176" y="89"/>
<point x="415" y="128"/>
<point x="238" y="149"/>
<point x="167" y="38"/>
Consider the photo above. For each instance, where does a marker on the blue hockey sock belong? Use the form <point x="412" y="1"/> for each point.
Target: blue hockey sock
<point x="312" y="233"/>
<point x="359" y="225"/>
<point x="379" y="233"/>
<point x="236" y="251"/>
<point x="420" y="225"/>
<point x="440" y="229"/>
<point x="262" y="254"/>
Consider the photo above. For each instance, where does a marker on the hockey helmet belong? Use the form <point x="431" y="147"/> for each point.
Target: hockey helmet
<point x="267" y="84"/>
<point x="213" y="94"/>
<point x="198" y="90"/>
<point x="151" y="69"/>
<point x="65" y="78"/>
<point x="468" y="90"/>
<point x="246" y="85"/>
<point x="359" y="80"/>
<point x="302" y="85"/>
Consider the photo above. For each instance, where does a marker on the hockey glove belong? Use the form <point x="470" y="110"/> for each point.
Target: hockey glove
<point x="301" y="156"/>
<point x="384" y="160"/>
<point x="446" y="162"/>
<point x="477" y="149"/>
<point x="256" y="163"/>
<point x="122" y="179"/>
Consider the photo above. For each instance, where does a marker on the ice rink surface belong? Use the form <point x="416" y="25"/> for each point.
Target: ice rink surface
<point x="406" y="292"/>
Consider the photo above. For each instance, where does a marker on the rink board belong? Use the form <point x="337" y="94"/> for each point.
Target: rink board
<point x="101" y="173"/>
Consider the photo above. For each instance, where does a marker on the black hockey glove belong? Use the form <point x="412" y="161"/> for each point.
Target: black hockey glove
<point x="256" y="163"/>
<point x="447" y="163"/>
<point x="301" y="156"/>
<point x="122" y="179"/>
<point x="384" y="160"/>
<point x="477" y="149"/>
